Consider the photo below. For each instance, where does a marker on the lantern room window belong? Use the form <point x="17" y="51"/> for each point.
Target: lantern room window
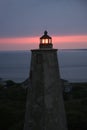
<point x="45" y="41"/>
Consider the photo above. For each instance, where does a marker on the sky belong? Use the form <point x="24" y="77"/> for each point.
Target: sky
<point x="22" y="23"/>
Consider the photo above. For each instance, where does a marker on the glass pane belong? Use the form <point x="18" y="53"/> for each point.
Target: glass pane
<point x="46" y="40"/>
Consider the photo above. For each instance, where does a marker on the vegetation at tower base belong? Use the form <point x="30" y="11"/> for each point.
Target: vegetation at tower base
<point x="13" y="100"/>
<point x="12" y="106"/>
<point x="76" y="107"/>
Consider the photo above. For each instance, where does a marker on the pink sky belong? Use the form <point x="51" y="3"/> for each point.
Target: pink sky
<point x="59" y="42"/>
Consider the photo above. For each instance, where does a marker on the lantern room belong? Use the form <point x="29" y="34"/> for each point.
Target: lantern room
<point x="45" y="41"/>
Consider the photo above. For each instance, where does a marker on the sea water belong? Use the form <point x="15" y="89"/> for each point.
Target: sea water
<point x="15" y="65"/>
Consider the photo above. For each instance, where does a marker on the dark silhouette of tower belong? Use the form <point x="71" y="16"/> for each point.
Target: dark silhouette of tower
<point x="45" y="106"/>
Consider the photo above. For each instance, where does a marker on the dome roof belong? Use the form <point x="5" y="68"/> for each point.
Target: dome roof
<point x="45" y="36"/>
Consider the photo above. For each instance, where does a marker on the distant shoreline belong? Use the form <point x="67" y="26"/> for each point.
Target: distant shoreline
<point x="83" y="49"/>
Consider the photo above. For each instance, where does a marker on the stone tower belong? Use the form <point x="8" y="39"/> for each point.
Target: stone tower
<point x="45" y="107"/>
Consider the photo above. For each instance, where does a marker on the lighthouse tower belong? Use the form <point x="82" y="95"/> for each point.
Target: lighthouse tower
<point x="45" y="106"/>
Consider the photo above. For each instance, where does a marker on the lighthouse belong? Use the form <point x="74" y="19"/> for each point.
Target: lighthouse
<point x="45" y="106"/>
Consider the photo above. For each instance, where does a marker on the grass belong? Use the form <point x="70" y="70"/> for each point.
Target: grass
<point x="13" y="102"/>
<point x="12" y="107"/>
<point x="76" y="107"/>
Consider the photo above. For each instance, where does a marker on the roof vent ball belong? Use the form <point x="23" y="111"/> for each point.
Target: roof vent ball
<point x="45" y="32"/>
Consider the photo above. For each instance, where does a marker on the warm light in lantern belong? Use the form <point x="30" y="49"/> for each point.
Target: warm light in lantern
<point x="45" y="41"/>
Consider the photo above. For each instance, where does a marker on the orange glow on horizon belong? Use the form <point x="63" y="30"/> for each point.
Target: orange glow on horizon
<point x="55" y="39"/>
<point x="60" y="41"/>
<point x="19" y="40"/>
<point x="70" y="39"/>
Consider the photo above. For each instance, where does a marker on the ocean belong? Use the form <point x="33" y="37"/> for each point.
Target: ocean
<point x="15" y="65"/>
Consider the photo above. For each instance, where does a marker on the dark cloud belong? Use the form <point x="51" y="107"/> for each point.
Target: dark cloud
<point x="30" y="17"/>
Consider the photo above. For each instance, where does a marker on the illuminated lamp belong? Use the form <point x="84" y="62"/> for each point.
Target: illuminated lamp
<point x="45" y="41"/>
